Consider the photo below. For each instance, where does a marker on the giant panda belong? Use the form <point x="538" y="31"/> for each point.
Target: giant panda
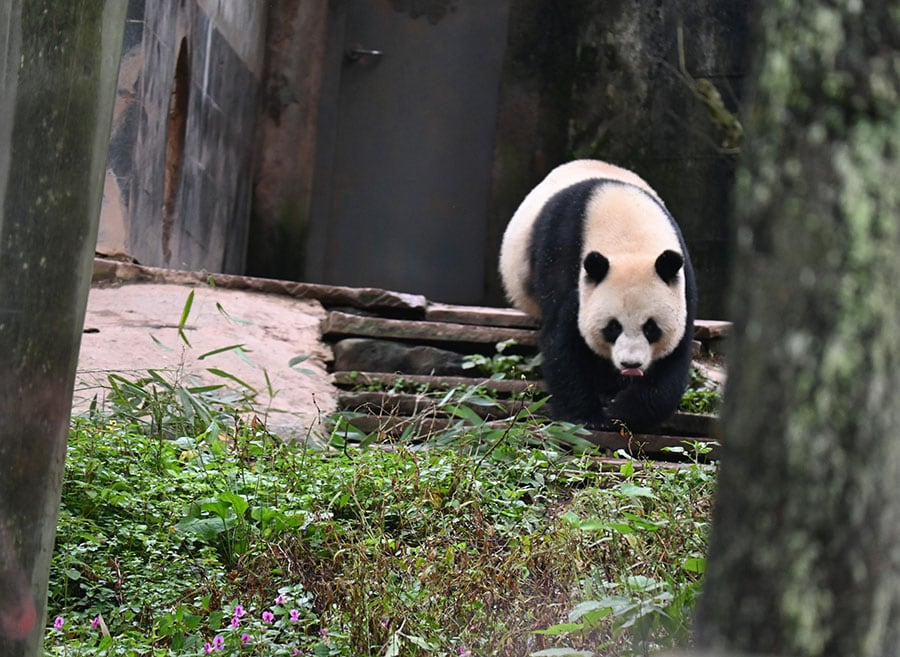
<point x="593" y="254"/>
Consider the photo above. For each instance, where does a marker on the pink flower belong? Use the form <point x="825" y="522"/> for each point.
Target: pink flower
<point x="235" y="622"/>
<point x="95" y="623"/>
<point x="219" y="643"/>
<point x="295" y="615"/>
<point x="323" y="632"/>
<point x="207" y="648"/>
<point x="58" y="623"/>
<point x="239" y="611"/>
<point x="268" y="617"/>
<point x="245" y="639"/>
<point x="280" y="600"/>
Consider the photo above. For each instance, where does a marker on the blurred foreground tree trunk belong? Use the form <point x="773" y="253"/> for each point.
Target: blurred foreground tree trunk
<point x="805" y="548"/>
<point x="58" y="67"/>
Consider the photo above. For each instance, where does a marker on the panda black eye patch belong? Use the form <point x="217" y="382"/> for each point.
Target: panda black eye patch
<point x="612" y="330"/>
<point x="651" y="331"/>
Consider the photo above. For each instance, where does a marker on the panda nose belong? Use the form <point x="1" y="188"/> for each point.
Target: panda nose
<point x="630" y="365"/>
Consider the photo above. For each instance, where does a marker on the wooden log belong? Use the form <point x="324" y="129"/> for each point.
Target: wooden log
<point x="425" y="426"/>
<point x="609" y="464"/>
<point x="480" y="315"/>
<point x="366" y="298"/>
<point x="690" y="424"/>
<point x="683" y="424"/>
<point x="710" y="329"/>
<point x="356" y="379"/>
<point x="408" y="404"/>
<point x="648" y="444"/>
<point x="338" y="324"/>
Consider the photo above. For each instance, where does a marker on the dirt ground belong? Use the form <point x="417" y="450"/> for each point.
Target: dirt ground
<point x="134" y="327"/>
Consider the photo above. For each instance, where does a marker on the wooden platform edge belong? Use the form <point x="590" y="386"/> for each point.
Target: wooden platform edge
<point x="353" y="378"/>
<point x="339" y="324"/>
<point x="686" y="425"/>
<point x="638" y="445"/>
<point x="107" y="271"/>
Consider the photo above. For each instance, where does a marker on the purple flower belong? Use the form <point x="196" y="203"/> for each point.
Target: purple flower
<point x="239" y="611"/>
<point x="464" y="652"/>
<point x="58" y="623"/>
<point x="295" y="615"/>
<point x="235" y="622"/>
<point x="280" y="600"/>
<point x="245" y="639"/>
<point x="95" y="623"/>
<point x="219" y="643"/>
<point x="207" y="648"/>
<point x="268" y="617"/>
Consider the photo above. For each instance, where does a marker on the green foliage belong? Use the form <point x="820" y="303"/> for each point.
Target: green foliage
<point x="186" y="528"/>
<point x="503" y="365"/>
<point x="647" y="528"/>
<point x="468" y="545"/>
<point x="702" y="396"/>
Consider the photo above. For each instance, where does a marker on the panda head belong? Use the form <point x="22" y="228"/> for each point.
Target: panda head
<point x="632" y="309"/>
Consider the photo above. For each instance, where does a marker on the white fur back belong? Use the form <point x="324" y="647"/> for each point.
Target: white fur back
<point x="515" y="261"/>
<point x="623" y="221"/>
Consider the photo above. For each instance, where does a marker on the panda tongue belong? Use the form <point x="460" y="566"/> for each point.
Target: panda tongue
<point x="632" y="371"/>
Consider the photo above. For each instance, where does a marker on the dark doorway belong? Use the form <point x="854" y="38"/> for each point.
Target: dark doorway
<point x="405" y="146"/>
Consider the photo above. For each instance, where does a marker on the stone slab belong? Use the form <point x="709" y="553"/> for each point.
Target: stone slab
<point x="132" y="328"/>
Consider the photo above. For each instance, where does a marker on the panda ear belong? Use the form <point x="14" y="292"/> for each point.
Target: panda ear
<point x="596" y="267"/>
<point x="668" y="264"/>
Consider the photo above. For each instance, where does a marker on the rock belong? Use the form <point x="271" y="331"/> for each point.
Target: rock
<point x="363" y="354"/>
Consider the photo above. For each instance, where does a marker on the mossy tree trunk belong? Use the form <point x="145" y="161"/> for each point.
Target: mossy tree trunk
<point x="58" y="65"/>
<point x="805" y="548"/>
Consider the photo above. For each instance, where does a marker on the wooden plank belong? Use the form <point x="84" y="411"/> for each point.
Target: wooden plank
<point x="408" y="404"/>
<point x="682" y="424"/>
<point x="704" y="329"/>
<point x="609" y="464"/>
<point x="367" y="298"/>
<point x="354" y="379"/>
<point x="710" y="329"/>
<point x="690" y="424"/>
<point x="338" y="324"/>
<point x="647" y="444"/>
<point x="425" y="426"/>
<point x="481" y="315"/>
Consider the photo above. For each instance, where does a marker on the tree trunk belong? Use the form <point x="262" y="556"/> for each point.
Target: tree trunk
<point x="805" y="547"/>
<point x="58" y="65"/>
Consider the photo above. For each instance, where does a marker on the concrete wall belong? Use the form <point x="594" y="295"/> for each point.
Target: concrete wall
<point x="602" y="79"/>
<point x="287" y="138"/>
<point x="179" y="177"/>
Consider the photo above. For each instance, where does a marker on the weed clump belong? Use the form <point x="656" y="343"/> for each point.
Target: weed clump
<point x="495" y="549"/>
<point x="186" y="528"/>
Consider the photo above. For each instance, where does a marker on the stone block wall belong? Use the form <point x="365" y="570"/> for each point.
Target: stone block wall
<point x="179" y="176"/>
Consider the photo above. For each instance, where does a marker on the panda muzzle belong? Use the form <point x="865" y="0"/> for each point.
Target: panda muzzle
<point x="631" y="371"/>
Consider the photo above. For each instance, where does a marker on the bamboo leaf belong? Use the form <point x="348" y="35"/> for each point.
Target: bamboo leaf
<point x="231" y="347"/>
<point x="231" y="377"/>
<point x="184" y="315"/>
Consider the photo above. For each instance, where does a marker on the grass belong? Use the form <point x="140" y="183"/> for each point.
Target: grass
<point x="187" y="529"/>
<point x="385" y="550"/>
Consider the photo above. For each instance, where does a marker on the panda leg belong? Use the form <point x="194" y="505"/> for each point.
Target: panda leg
<point x="572" y="372"/>
<point x="650" y="400"/>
